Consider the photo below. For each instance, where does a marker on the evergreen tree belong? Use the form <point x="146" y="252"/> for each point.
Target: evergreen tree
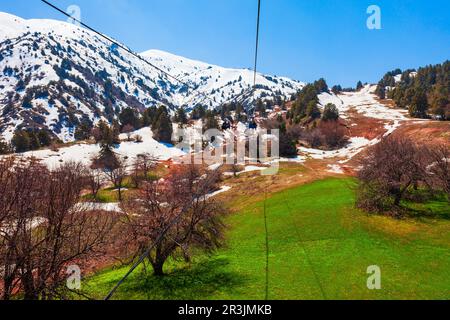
<point x="336" y="89"/>
<point x="180" y="116"/>
<point x="359" y="86"/>
<point x="198" y="112"/>
<point x="83" y="131"/>
<point x="21" y="141"/>
<point x="107" y="160"/>
<point x="4" y="147"/>
<point x="149" y="116"/>
<point x="34" y="140"/>
<point x="44" y="138"/>
<point x="288" y="145"/>
<point x="130" y="117"/>
<point x="115" y="132"/>
<point x="381" y="90"/>
<point x="321" y="86"/>
<point x="261" y="108"/>
<point x="210" y="121"/>
<point x="330" y="113"/>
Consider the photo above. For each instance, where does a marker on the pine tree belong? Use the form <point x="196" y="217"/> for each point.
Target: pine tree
<point x="129" y="116"/>
<point x="330" y="113"/>
<point x="210" y="121"/>
<point x="83" y="131"/>
<point x="21" y="141"/>
<point x="312" y="111"/>
<point x="107" y="160"/>
<point x="4" y="147"/>
<point x="198" y="112"/>
<point x="336" y="89"/>
<point x="44" y="138"/>
<point x="180" y="116"/>
<point x="149" y="116"/>
<point x="419" y="104"/>
<point x="163" y="130"/>
<point x="261" y="108"/>
<point x="321" y="86"/>
<point x="359" y="86"/>
<point x="288" y="145"/>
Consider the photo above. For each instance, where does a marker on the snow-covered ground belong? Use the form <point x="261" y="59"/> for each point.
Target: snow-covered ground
<point x="363" y="102"/>
<point x="85" y="152"/>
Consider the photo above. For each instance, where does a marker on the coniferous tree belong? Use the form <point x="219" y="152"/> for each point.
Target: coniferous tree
<point x="4" y="147"/>
<point x="330" y="113"/>
<point x="261" y="108"/>
<point x="20" y="141"/>
<point x="359" y="86"/>
<point x="210" y="121"/>
<point x="419" y="104"/>
<point x="130" y="117"/>
<point x="180" y="116"/>
<point x="198" y="112"/>
<point x="44" y="138"/>
<point x="321" y="86"/>
<point x="313" y="111"/>
<point x="336" y="89"/>
<point x="149" y="116"/>
<point x="83" y="131"/>
<point x="34" y="140"/>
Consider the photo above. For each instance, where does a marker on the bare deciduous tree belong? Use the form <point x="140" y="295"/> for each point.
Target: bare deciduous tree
<point x="113" y="166"/>
<point x="439" y="168"/>
<point x="95" y="180"/>
<point x="46" y="230"/>
<point x="181" y="205"/>
<point x="390" y="169"/>
<point x="142" y="168"/>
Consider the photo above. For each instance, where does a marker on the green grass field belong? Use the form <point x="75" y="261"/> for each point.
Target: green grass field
<point x="319" y="248"/>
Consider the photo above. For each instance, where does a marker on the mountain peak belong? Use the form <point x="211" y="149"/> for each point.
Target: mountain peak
<point x="56" y="76"/>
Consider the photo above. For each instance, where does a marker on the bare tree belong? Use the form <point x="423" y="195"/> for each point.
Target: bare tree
<point x="113" y="166"/>
<point x="334" y="134"/>
<point x="180" y="204"/>
<point x="128" y="130"/>
<point x="438" y="167"/>
<point x="143" y="165"/>
<point x="47" y="229"/>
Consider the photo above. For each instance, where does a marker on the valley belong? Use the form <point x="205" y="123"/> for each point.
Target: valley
<point x="88" y="142"/>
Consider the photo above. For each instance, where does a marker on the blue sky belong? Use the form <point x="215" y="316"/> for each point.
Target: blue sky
<point x="301" y="39"/>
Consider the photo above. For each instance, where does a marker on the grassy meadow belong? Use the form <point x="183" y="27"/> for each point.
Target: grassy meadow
<point x="320" y="247"/>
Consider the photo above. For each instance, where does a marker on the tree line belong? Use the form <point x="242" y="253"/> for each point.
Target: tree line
<point x="424" y="93"/>
<point x="305" y="123"/>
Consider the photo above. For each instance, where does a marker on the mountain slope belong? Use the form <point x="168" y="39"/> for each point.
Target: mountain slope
<point x="56" y="75"/>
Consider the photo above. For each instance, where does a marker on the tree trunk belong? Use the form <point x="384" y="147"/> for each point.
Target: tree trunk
<point x="158" y="269"/>
<point x="120" y="193"/>
<point x="398" y="198"/>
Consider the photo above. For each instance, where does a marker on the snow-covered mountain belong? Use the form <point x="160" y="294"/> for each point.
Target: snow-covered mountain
<point x="56" y="75"/>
